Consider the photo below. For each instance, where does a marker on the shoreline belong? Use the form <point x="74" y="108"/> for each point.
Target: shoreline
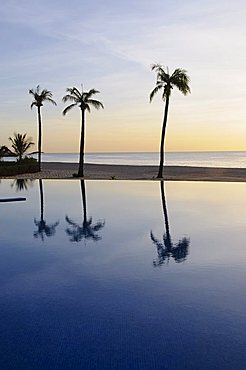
<point x="63" y="170"/>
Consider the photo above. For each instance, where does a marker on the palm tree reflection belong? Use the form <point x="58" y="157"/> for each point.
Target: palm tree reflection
<point x="166" y="248"/>
<point x="22" y="184"/>
<point x="86" y="230"/>
<point x="43" y="228"/>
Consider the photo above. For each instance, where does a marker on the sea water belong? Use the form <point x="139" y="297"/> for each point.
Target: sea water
<point x="197" y="159"/>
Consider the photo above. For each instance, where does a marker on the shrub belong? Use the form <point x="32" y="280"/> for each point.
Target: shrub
<point x="28" y="160"/>
<point x="26" y="165"/>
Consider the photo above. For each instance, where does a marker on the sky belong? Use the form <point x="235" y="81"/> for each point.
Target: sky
<point x="110" y="46"/>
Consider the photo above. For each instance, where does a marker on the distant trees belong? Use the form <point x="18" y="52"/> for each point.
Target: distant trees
<point x="84" y="101"/>
<point x="166" y="82"/>
<point x="20" y="144"/>
<point x="39" y="97"/>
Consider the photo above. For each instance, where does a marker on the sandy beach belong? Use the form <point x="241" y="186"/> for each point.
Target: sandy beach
<point x="58" y="170"/>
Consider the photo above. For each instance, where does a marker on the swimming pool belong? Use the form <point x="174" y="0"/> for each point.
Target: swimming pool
<point x="122" y="275"/>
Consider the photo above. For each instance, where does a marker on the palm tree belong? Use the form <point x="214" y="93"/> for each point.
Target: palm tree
<point x="20" y="144"/>
<point x="87" y="230"/>
<point x="167" y="248"/>
<point x="39" y="98"/>
<point x="43" y="228"/>
<point x="164" y="81"/>
<point x="84" y="102"/>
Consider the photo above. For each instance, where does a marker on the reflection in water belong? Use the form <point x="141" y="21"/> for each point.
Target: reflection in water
<point x="100" y="308"/>
<point x="167" y="249"/>
<point x="43" y="228"/>
<point x="86" y="230"/>
<point x="22" y="184"/>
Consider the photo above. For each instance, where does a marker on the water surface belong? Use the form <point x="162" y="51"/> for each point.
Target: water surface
<point x="197" y="159"/>
<point x="122" y="275"/>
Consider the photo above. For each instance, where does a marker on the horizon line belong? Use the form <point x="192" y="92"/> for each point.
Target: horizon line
<point x="178" y="151"/>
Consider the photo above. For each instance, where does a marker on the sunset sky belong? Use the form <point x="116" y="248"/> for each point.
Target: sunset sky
<point x="110" y="46"/>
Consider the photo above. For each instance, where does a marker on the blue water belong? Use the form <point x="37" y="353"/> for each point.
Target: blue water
<point x="122" y="275"/>
<point x="201" y="159"/>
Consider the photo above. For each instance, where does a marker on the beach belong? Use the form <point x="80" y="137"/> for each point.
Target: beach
<point x="59" y="170"/>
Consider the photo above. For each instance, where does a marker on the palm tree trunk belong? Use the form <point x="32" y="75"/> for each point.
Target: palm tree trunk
<point x="82" y="145"/>
<point x="39" y="138"/>
<point x="160" y="172"/>
<point x="82" y="185"/>
<point x="168" y="244"/>
<point x="41" y="200"/>
<point x="164" y="207"/>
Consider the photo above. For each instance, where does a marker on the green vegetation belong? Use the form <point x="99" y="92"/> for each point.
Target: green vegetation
<point x="20" y="144"/>
<point x="84" y="102"/>
<point x="39" y="98"/>
<point x="26" y="165"/>
<point x="165" y="82"/>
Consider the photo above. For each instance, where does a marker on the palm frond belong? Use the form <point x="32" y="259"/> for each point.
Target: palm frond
<point x="70" y="221"/>
<point x="33" y="103"/>
<point x="99" y="225"/>
<point x="95" y="103"/>
<point x="69" y="90"/>
<point x="157" y="68"/>
<point x="77" y="92"/>
<point x="155" y="241"/>
<point x="87" y="107"/>
<point x="51" y="101"/>
<point x="70" y="98"/>
<point x="154" y="91"/>
<point x="45" y="93"/>
<point x="181" y="80"/>
<point x="163" y="78"/>
<point x="32" y="92"/>
<point x="73" y="91"/>
<point x="92" y="92"/>
<point x="67" y="109"/>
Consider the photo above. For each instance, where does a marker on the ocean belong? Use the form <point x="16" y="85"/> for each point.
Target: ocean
<point x="199" y="159"/>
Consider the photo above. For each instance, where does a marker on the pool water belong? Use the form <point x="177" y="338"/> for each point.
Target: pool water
<point x="122" y="275"/>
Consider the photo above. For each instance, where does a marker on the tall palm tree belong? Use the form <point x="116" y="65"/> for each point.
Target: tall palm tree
<point x="167" y="82"/>
<point x="167" y="248"/>
<point x="20" y="144"/>
<point x="84" y="101"/>
<point x="87" y="230"/>
<point x="39" y="98"/>
<point x="43" y="228"/>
